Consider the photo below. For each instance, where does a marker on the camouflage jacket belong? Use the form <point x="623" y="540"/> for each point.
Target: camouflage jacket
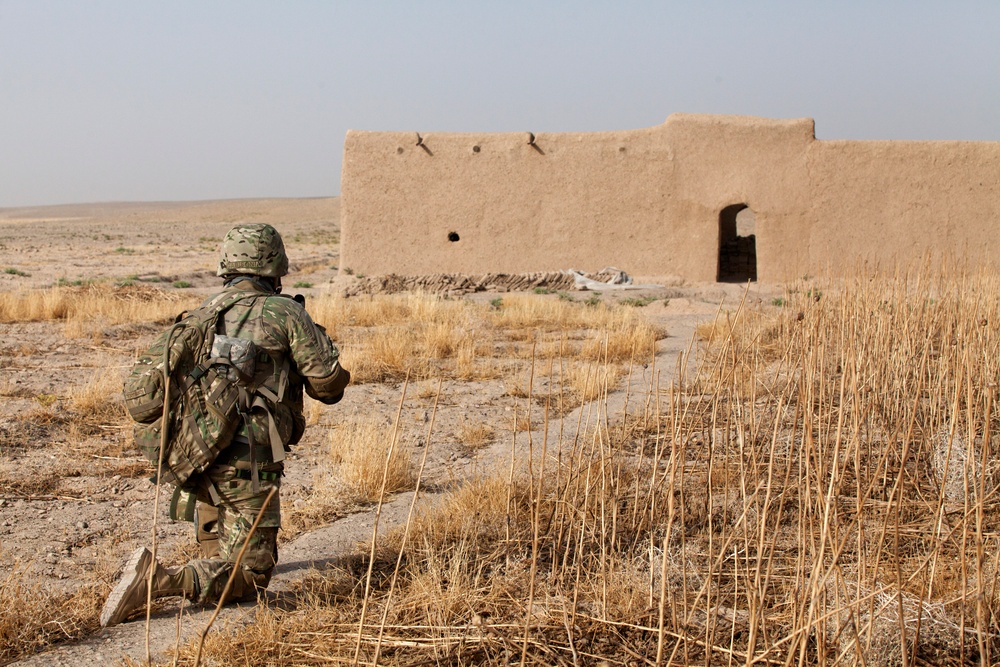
<point x="283" y="331"/>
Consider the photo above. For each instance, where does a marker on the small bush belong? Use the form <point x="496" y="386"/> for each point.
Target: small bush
<point x="65" y="282"/>
<point x="638" y="302"/>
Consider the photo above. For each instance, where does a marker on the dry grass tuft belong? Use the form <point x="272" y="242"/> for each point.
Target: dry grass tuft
<point x="475" y="435"/>
<point x="524" y="422"/>
<point x="31" y="618"/>
<point x="362" y="450"/>
<point x="384" y="337"/>
<point x="327" y="500"/>
<point x="515" y="388"/>
<point x="382" y="355"/>
<point x="33" y="427"/>
<point x="334" y="311"/>
<point x="627" y="340"/>
<point x="104" y="302"/>
<point x="100" y="399"/>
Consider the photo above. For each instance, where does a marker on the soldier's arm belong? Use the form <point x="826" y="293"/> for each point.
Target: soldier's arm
<point x="329" y="389"/>
<point x="316" y="357"/>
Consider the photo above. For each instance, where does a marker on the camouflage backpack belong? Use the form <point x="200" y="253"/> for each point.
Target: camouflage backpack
<point x="211" y="379"/>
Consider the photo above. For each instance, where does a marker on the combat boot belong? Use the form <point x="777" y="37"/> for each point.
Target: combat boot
<point x="130" y="593"/>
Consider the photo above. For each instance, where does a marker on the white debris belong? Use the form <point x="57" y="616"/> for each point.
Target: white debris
<point x="618" y="280"/>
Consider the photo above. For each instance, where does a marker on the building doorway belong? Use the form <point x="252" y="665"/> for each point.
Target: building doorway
<point x="737" y="244"/>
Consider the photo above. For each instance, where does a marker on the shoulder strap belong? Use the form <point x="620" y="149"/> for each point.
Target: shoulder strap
<point x="211" y="312"/>
<point x="227" y="301"/>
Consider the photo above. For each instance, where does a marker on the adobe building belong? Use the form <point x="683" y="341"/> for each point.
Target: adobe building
<point x="701" y="197"/>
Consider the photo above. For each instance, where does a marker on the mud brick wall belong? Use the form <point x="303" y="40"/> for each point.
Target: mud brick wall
<point x="651" y="201"/>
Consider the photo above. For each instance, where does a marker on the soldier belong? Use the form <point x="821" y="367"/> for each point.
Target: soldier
<point x="296" y="354"/>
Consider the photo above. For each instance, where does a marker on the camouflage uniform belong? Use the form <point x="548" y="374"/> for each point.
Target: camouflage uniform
<point x="282" y="329"/>
<point x="295" y="354"/>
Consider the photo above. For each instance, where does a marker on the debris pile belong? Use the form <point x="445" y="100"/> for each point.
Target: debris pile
<point x="454" y="283"/>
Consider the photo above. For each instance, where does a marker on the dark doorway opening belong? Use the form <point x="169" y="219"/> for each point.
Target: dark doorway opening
<point x="737" y="244"/>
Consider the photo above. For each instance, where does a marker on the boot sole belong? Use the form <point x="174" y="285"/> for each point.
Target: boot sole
<point x="118" y="606"/>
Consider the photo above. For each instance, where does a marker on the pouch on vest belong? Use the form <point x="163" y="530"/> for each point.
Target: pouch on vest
<point x="182" y="505"/>
<point x="237" y="355"/>
<point x="144" y="395"/>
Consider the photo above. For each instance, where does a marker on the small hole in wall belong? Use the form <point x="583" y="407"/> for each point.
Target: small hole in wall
<point x="452" y="236"/>
<point x="399" y="150"/>
<point x="621" y="149"/>
<point x="475" y="149"/>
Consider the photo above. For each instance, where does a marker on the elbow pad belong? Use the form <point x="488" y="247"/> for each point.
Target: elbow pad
<point x="329" y="389"/>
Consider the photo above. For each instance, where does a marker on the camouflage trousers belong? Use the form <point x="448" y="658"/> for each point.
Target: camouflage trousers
<point x="237" y="509"/>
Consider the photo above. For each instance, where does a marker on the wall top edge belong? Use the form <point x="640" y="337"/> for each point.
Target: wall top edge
<point x="408" y="134"/>
<point x="674" y="121"/>
<point x="738" y="121"/>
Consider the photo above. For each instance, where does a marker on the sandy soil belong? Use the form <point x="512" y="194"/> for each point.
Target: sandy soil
<point x="83" y="502"/>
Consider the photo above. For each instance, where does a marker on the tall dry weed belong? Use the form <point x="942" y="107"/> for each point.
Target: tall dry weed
<point x="589" y="381"/>
<point x="792" y="500"/>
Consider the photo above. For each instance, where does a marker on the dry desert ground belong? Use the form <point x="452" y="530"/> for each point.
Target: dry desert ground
<point x="683" y="474"/>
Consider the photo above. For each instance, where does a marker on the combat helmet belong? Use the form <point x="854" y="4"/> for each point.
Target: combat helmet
<point x="254" y="249"/>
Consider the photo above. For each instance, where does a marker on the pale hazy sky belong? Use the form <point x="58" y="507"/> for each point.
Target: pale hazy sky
<point x="130" y="100"/>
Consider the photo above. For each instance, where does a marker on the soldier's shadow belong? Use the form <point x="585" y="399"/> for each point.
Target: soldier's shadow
<point x="326" y="581"/>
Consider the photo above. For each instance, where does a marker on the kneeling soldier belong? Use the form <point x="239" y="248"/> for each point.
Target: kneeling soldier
<point x="295" y="354"/>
